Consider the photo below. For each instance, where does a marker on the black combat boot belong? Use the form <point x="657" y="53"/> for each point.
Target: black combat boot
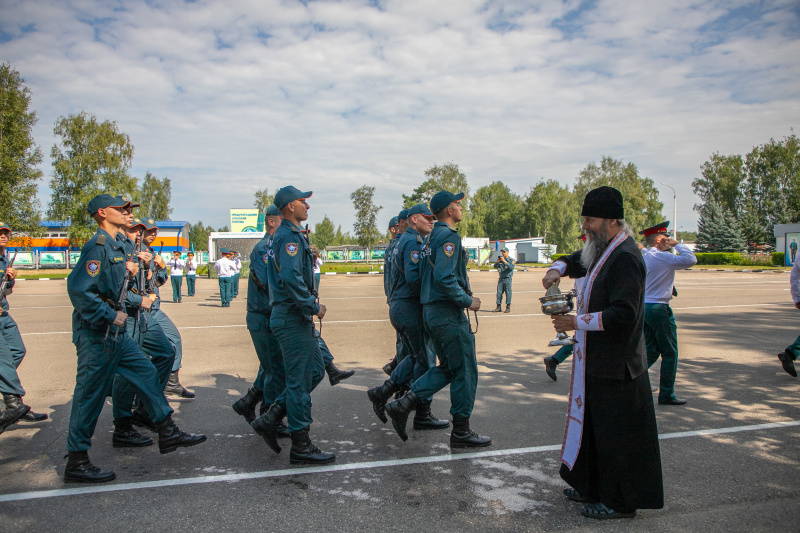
<point x="550" y="365"/>
<point x="14" y="401"/>
<point x="463" y="437"/>
<point x="398" y="411"/>
<point x="497" y="309"/>
<point x="141" y="419"/>
<point x="127" y="437"/>
<point x="283" y="431"/>
<point x="304" y="452"/>
<point x="246" y="405"/>
<point x="267" y="426"/>
<point x="335" y="375"/>
<point x="508" y="308"/>
<point x="175" y="388"/>
<point x="262" y="410"/>
<point x="81" y="470"/>
<point x="424" y="419"/>
<point x="170" y="438"/>
<point x="389" y="367"/>
<point x="9" y="416"/>
<point x="380" y="395"/>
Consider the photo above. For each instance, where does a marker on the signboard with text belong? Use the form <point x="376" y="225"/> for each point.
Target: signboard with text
<point x="244" y="220"/>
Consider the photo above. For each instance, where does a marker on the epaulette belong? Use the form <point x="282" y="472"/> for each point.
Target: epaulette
<point x="101" y="240"/>
<point x="296" y="229"/>
<point x="419" y="239"/>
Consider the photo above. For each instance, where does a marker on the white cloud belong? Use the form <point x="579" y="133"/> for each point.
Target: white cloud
<point x="228" y="97"/>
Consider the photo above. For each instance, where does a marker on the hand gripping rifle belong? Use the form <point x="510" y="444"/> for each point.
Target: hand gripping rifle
<point x="314" y="291"/>
<point x="119" y="304"/>
<point x="6" y="280"/>
<point x="142" y="283"/>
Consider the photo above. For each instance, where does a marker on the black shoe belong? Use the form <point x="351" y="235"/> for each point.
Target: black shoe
<point x="267" y="426"/>
<point x="304" y="452"/>
<point x="379" y="396"/>
<point x="246" y="405"/>
<point x="787" y="363"/>
<point x="127" y="437"/>
<point x="497" y="309"/>
<point x="335" y="375"/>
<point x="389" y="367"/>
<point x="672" y="401"/>
<point x="81" y="470"/>
<point x="508" y="309"/>
<point x="550" y="365"/>
<point x="398" y="411"/>
<point x="13" y="401"/>
<point x="283" y="431"/>
<point x="424" y="418"/>
<point x="170" y="438"/>
<point x="463" y="437"/>
<point x="576" y="496"/>
<point x="175" y="388"/>
<point x="9" y="416"/>
<point x="141" y="419"/>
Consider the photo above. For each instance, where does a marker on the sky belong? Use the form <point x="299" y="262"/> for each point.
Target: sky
<point x="228" y="97"/>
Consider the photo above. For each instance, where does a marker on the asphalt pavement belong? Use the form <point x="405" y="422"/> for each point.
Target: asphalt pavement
<point x="731" y="455"/>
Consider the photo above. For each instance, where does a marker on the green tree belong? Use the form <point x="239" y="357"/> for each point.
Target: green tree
<point x="91" y="158"/>
<point x="263" y="199"/>
<point x="723" y="178"/>
<point x="366" y="225"/>
<point x="198" y="235"/>
<point x="718" y="230"/>
<point x="224" y="229"/>
<point x="324" y="233"/>
<point x="552" y="212"/>
<point x="640" y="196"/>
<point x="155" y="196"/>
<point x="447" y="177"/>
<point x="19" y="155"/>
<point x="497" y="211"/>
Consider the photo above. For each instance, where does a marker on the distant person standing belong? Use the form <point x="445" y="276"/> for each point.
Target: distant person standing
<point x="238" y="264"/>
<point x="176" y="265"/>
<point x="660" y="331"/>
<point x="225" y="269"/>
<point x="789" y="355"/>
<point x="505" y="267"/>
<point x="317" y="265"/>
<point x="191" y="273"/>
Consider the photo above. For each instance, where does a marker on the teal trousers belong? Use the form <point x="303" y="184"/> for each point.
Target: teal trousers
<point x="271" y="379"/>
<point x="176" y="281"/>
<point x="12" y="351"/>
<point x="661" y="339"/>
<point x="190" y="279"/>
<point x="504" y="286"/>
<point x="226" y="291"/>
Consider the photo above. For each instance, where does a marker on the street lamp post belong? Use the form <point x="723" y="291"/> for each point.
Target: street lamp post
<point x="674" y="211"/>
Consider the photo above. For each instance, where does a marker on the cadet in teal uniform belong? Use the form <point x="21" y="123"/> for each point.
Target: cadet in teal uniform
<point x="445" y="294"/>
<point x="394" y="225"/>
<point x="104" y="347"/>
<point x="271" y="379"/>
<point x="291" y="295"/>
<point x="12" y="351"/>
<point x="153" y="343"/>
<point x="225" y="269"/>
<point x="191" y="273"/>
<point x="406" y="317"/>
<point x="505" y="267"/>
<point x="176" y="275"/>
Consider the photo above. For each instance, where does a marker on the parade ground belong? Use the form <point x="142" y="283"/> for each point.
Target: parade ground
<point x="731" y="455"/>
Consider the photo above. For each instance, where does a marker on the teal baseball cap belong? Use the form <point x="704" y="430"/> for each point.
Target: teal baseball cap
<point x="420" y="209"/>
<point x="442" y="199"/>
<point x="4" y="227"/>
<point x="289" y="194"/>
<point x="145" y="223"/>
<point x="403" y="215"/>
<point x="102" y="201"/>
<point x="273" y="211"/>
<point x="394" y="222"/>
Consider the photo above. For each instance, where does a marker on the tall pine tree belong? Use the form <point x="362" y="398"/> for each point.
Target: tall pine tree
<point x="718" y="230"/>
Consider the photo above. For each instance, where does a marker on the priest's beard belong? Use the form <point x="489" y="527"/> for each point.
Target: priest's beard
<point x="596" y="242"/>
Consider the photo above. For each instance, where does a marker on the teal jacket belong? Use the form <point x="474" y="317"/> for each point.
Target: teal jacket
<point x="97" y="280"/>
<point x="4" y="261"/>
<point x="506" y="270"/>
<point x="388" y="266"/>
<point x="443" y="270"/>
<point x="258" y="288"/>
<point x="405" y="267"/>
<point x="291" y="273"/>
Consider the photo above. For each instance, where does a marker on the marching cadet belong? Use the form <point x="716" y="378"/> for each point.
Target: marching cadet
<point x="406" y="316"/>
<point x="12" y="351"/>
<point x="157" y="316"/>
<point x="505" y="267"/>
<point x="153" y="343"/>
<point x="191" y="273"/>
<point x="445" y="294"/>
<point x="225" y="270"/>
<point x="394" y="224"/>
<point x="294" y="304"/>
<point x="176" y="265"/>
<point x="104" y="347"/>
<point x="238" y="263"/>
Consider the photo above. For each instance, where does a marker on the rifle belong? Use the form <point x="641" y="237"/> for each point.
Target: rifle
<point x="5" y="281"/>
<point x="142" y="283"/>
<point x="314" y="291"/>
<point x="119" y="304"/>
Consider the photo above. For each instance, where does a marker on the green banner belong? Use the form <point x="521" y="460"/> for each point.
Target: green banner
<point x="377" y="254"/>
<point x="24" y="260"/>
<point x="74" y="257"/>
<point x="357" y="255"/>
<point x="52" y="259"/>
<point x="335" y="255"/>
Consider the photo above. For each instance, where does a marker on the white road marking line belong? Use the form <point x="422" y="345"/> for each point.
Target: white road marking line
<point x="227" y="478"/>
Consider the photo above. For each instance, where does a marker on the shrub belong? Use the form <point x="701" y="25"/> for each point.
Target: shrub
<point x="778" y="258"/>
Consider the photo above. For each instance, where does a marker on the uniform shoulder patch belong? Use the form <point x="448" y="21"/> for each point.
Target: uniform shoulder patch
<point x="101" y="240"/>
<point x="415" y="257"/>
<point x="449" y="249"/>
<point x="266" y="257"/>
<point x="93" y="268"/>
<point x="419" y="239"/>
<point x="291" y="249"/>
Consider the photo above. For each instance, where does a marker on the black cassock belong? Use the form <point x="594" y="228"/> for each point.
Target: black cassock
<point x="619" y="463"/>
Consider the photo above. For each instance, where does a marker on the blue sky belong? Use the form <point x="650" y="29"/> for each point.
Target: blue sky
<point x="228" y="97"/>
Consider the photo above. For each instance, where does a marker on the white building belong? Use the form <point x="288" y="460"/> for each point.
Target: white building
<point x="529" y="250"/>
